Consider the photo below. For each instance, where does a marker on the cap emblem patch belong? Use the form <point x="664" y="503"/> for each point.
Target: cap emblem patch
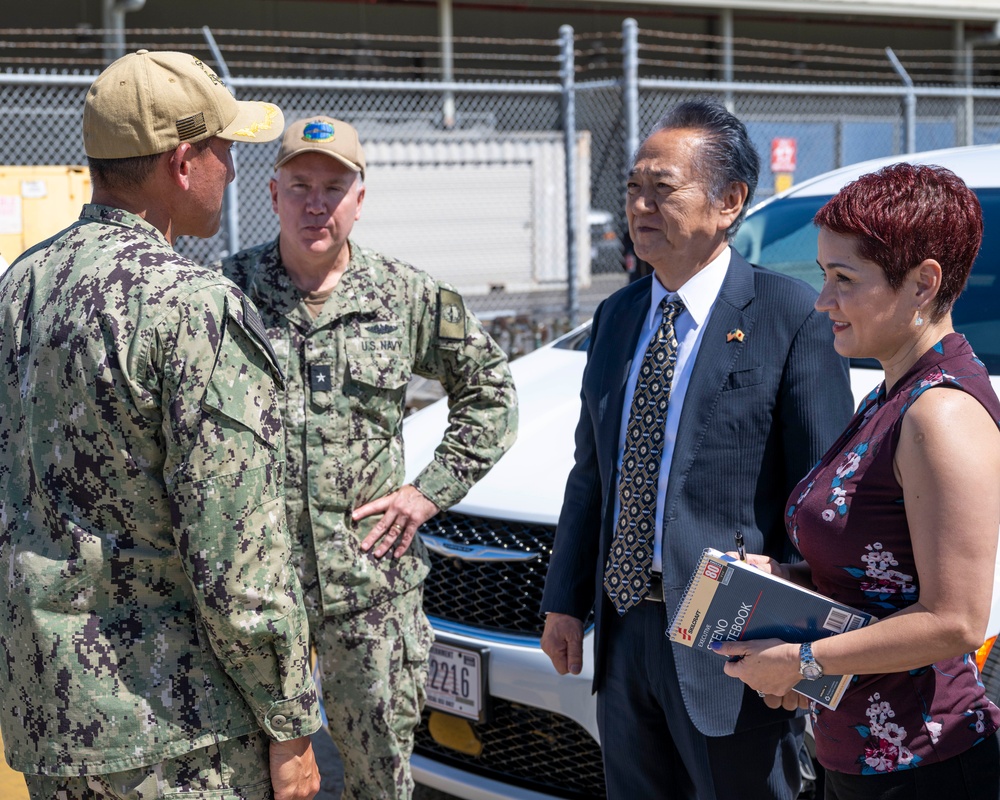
<point x="318" y="132"/>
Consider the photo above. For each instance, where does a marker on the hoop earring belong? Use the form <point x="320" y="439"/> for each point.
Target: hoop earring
<point x="919" y="320"/>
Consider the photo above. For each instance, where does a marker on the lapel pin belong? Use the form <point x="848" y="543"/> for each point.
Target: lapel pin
<point x="736" y="334"/>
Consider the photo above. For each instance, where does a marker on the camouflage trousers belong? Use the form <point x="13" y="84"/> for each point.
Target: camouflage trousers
<point x="236" y="769"/>
<point x="374" y="665"/>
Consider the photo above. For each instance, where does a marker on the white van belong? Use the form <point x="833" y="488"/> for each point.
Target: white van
<point x="501" y="723"/>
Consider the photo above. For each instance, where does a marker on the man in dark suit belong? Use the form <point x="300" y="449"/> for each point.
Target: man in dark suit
<point x="743" y="392"/>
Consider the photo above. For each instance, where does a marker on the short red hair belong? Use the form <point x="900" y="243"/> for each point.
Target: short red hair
<point x="906" y="213"/>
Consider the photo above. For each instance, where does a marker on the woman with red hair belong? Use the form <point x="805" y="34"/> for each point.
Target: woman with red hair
<point x="900" y="517"/>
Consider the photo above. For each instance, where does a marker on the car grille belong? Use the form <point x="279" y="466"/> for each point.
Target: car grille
<point x="529" y="747"/>
<point x="502" y="596"/>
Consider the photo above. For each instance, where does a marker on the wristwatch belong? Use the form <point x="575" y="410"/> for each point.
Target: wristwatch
<point x="809" y="667"/>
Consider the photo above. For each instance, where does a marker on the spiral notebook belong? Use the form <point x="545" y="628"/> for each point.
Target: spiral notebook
<point x="730" y="600"/>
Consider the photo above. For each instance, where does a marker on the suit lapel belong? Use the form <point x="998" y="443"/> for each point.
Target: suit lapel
<point x="624" y="326"/>
<point x="715" y="360"/>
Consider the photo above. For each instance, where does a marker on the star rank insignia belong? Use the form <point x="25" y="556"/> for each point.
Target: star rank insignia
<point x="319" y="377"/>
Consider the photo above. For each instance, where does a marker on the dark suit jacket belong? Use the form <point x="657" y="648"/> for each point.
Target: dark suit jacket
<point x="757" y="415"/>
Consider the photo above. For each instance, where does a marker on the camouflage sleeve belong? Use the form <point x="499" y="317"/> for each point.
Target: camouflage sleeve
<point x="482" y="418"/>
<point x="223" y="473"/>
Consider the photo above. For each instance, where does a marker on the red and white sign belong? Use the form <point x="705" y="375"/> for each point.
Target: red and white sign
<point x="783" y="154"/>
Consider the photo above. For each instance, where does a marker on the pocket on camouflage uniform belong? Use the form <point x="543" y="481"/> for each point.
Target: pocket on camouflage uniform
<point x="241" y="392"/>
<point x="68" y="576"/>
<point x="376" y="389"/>
<point x="417" y="636"/>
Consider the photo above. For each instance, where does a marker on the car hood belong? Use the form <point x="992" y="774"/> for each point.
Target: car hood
<point x="521" y="485"/>
<point x="978" y="166"/>
<point x="527" y="484"/>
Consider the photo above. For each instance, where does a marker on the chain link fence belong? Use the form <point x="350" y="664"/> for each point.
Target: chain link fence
<point x="475" y="179"/>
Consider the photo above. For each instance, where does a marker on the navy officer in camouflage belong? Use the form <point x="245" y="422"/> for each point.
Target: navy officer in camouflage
<point x="350" y="327"/>
<point x="153" y="636"/>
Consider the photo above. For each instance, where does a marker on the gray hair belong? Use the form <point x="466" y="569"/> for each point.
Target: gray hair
<point x="727" y="155"/>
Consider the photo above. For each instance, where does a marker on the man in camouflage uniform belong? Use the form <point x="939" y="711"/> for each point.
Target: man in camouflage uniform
<point x="152" y="633"/>
<point x="350" y="328"/>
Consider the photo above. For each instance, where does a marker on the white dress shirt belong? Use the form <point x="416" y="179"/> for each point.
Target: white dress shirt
<point x="698" y="295"/>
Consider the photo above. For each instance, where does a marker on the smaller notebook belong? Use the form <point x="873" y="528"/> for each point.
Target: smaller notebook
<point x="730" y="600"/>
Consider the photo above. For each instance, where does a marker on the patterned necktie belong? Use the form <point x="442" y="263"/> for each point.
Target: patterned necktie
<point x="626" y="576"/>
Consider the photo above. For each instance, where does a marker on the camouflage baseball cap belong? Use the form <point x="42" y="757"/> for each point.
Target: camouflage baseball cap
<point x="322" y="135"/>
<point x="147" y="103"/>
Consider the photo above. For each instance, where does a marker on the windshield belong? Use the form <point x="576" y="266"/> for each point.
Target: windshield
<point x="781" y="236"/>
<point x="578" y="340"/>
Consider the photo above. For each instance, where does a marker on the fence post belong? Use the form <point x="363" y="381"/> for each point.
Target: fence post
<point x="113" y="20"/>
<point x="726" y="16"/>
<point x="231" y="198"/>
<point x="447" y="62"/>
<point x="630" y="88"/>
<point x="910" y="102"/>
<point x="970" y="103"/>
<point x="567" y="73"/>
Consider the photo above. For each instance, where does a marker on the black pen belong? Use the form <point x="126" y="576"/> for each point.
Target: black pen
<point x="741" y="551"/>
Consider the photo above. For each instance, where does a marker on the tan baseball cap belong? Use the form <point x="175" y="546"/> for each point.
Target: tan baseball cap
<point x="147" y="103"/>
<point x="332" y="137"/>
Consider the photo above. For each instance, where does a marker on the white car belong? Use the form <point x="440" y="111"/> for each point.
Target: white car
<point x="500" y="722"/>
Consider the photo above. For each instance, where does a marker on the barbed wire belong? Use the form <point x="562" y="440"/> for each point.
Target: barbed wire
<point x="660" y="53"/>
<point x="926" y="65"/>
<point x="779" y="44"/>
<point x="434" y="72"/>
<point x="198" y="34"/>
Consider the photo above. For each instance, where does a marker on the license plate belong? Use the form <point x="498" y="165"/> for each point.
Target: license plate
<point x="456" y="680"/>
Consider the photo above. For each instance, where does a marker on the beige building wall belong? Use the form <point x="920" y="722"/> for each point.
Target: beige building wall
<point x="11" y="783"/>
<point x="37" y="202"/>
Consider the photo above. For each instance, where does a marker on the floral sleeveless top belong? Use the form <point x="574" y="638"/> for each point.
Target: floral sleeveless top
<point x="848" y="521"/>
